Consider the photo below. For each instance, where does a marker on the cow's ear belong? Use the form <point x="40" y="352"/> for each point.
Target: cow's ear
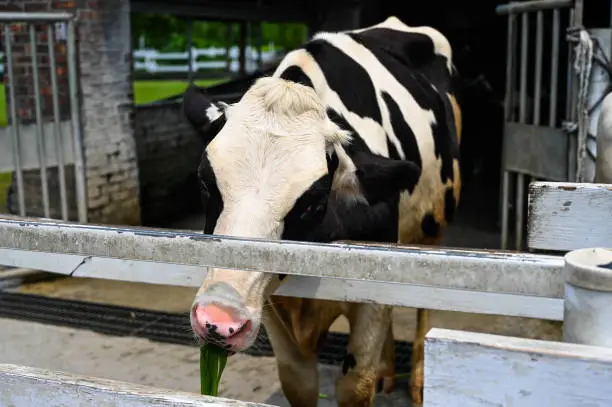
<point x="204" y="114"/>
<point x="380" y="177"/>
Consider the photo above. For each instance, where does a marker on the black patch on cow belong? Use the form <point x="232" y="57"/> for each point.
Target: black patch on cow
<point x="296" y="74"/>
<point x="349" y="363"/>
<point x="430" y="227"/>
<point x="380" y="177"/>
<point x="398" y="50"/>
<point x="347" y="219"/>
<point x="332" y="163"/>
<point x="195" y="105"/>
<point x="211" y="197"/>
<point x="410" y="58"/>
<point x="309" y="209"/>
<point x="403" y="131"/>
<point x="347" y="78"/>
<point x="449" y="205"/>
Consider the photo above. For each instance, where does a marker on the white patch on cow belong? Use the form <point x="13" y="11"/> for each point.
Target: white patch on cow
<point x="270" y="151"/>
<point x="213" y="113"/>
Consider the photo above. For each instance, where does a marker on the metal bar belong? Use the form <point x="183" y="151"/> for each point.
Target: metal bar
<point x="75" y="119"/>
<point x="505" y="184"/>
<point x="12" y="17"/>
<point x="571" y="109"/>
<point x="537" y="91"/>
<point x="59" y="143"/>
<point x="534" y="5"/>
<point x="477" y="270"/>
<point x="578" y="12"/>
<point x="8" y="50"/>
<point x="520" y="178"/>
<point x="39" y="119"/>
<point x="554" y="68"/>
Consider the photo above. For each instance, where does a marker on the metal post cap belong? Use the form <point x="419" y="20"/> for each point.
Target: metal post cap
<point x="589" y="268"/>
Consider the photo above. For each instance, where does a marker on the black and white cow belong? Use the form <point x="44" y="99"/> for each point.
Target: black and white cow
<point x="355" y="136"/>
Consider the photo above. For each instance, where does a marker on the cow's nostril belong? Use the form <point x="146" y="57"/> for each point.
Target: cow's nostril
<point x="220" y="321"/>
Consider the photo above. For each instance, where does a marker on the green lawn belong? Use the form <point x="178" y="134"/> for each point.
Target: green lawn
<point x="144" y="92"/>
<point x="150" y="91"/>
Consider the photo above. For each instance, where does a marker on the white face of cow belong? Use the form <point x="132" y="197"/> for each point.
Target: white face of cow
<point x="264" y="175"/>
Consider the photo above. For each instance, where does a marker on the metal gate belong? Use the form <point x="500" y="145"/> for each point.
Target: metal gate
<point x="41" y="145"/>
<point x="536" y="144"/>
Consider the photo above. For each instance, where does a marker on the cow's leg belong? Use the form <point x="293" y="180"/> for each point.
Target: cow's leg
<point x="296" y="328"/>
<point x="387" y="367"/>
<point x="362" y="364"/>
<point x="418" y="356"/>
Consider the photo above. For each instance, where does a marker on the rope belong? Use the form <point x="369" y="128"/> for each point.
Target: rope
<point x="582" y="67"/>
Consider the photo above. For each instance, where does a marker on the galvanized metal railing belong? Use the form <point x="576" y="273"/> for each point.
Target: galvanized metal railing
<point x="22" y="159"/>
<point x="531" y="149"/>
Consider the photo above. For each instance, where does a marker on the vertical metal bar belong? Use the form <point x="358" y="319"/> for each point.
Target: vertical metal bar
<point x="520" y="178"/>
<point x="39" y="123"/>
<point x="190" y="50"/>
<point x="8" y="50"/>
<point x="75" y="119"/>
<point x="537" y="91"/>
<point x="571" y="109"/>
<point x="554" y="68"/>
<point x="59" y="142"/>
<point x="507" y="114"/>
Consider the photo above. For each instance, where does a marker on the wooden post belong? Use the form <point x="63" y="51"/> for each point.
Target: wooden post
<point x="588" y="297"/>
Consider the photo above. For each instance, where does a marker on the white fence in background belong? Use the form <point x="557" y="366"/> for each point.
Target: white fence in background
<point x="153" y="61"/>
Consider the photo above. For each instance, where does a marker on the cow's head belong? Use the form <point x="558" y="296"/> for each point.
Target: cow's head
<point x="272" y="162"/>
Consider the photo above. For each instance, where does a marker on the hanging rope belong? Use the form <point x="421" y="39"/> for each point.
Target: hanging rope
<point x="583" y="62"/>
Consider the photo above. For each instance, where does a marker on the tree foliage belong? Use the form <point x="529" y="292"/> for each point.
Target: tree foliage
<point x="168" y="33"/>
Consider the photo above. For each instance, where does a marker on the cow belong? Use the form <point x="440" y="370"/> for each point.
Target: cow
<point x="355" y="136"/>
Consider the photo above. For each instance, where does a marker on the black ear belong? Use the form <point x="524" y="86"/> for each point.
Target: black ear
<point x="204" y="114"/>
<point x="380" y="177"/>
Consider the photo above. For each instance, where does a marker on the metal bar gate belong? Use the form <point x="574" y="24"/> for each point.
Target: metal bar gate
<point x="43" y="132"/>
<point x="535" y="145"/>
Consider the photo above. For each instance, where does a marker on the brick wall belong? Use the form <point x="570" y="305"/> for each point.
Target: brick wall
<point x="168" y="157"/>
<point x="106" y="87"/>
<point x="107" y="105"/>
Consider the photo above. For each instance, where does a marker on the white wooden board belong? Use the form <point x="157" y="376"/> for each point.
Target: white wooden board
<point x="22" y="386"/>
<point x="568" y="216"/>
<point x="470" y="369"/>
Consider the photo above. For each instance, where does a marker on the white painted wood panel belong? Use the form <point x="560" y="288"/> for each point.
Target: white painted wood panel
<point x="468" y="369"/>
<point x="567" y="216"/>
<point x="22" y="386"/>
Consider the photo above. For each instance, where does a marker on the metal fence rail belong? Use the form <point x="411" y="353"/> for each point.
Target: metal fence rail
<point x="45" y="143"/>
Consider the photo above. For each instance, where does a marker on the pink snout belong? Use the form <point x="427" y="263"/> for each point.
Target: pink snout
<point x="221" y="325"/>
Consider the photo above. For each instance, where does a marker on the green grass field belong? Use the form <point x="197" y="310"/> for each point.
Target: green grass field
<point x="144" y="92"/>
